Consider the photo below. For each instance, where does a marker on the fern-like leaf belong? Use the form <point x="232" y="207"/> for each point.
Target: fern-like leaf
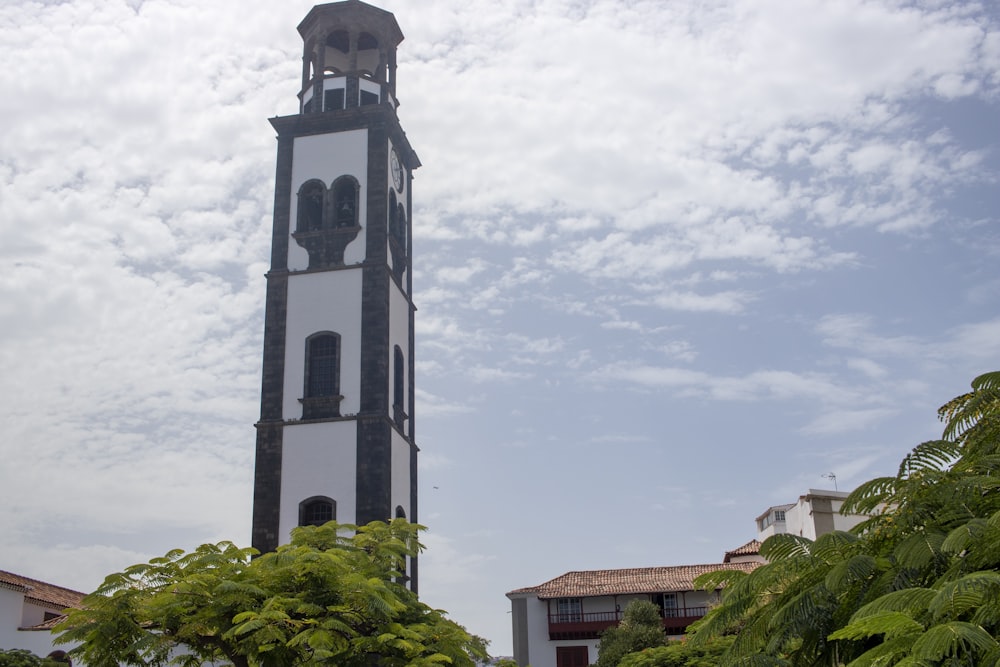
<point x="783" y="546"/>
<point x="891" y="624"/>
<point x="909" y="600"/>
<point x="956" y="639"/>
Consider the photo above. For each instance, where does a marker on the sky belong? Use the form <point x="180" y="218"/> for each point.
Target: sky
<point x="675" y="262"/>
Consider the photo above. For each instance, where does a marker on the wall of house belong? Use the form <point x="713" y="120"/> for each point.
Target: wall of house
<point x="14" y="613"/>
<point x="530" y="622"/>
<point x="813" y="514"/>
<point x="817" y="513"/>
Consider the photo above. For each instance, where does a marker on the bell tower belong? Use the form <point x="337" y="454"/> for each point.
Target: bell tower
<point x="335" y="438"/>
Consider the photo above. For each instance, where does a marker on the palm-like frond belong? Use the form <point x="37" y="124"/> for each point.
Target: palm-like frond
<point x="920" y="550"/>
<point x="910" y="601"/>
<point x="957" y="598"/>
<point x="784" y="546"/>
<point x="891" y="624"/>
<point x="870" y="495"/>
<point x="956" y="639"/>
<point x="965" y="411"/>
<point x="846" y="573"/>
<point x="932" y="455"/>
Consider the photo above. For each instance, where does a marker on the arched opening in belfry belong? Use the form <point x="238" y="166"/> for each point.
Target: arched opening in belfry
<point x="370" y="63"/>
<point x="345" y="202"/>
<point x="336" y="58"/>
<point x="310" y="211"/>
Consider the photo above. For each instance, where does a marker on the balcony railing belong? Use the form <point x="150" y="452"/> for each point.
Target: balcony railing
<point x="589" y="625"/>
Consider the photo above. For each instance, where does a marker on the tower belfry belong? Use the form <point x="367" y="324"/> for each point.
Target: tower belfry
<point x="335" y="438"/>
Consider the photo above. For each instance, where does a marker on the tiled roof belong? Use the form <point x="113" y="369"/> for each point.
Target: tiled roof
<point x="39" y="591"/>
<point x="46" y="626"/>
<point x="751" y="548"/>
<point x="593" y="583"/>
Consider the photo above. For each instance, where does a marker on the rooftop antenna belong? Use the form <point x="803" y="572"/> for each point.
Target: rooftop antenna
<point x="833" y="477"/>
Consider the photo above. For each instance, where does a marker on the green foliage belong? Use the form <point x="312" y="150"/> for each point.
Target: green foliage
<point x="331" y="596"/>
<point x="640" y="628"/>
<point x="680" y="654"/>
<point x="17" y="657"/>
<point x="918" y="583"/>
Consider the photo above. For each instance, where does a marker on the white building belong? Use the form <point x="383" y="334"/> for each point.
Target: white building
<point x="558" y="623"/>
<point x="28" y="610"/>
<point x="815" y="513"/>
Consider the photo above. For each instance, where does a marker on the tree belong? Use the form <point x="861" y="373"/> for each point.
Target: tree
<point x="641" y="628"/>
<point x="17" y="657"/>
<point x="331" y="596"/>
<point x="918" y="583"/>
<point x="680" y="654"/>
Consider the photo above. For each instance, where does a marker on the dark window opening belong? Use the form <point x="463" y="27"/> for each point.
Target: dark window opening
<point x="399" y="231"/>
<point x="400" y="512"/>
<point x="339" y="40"/>
<point x="322" y="351"/>
<point x="317" y="510"/>
<point x="345" y="202"/>
<point x="368" y="98"/>
<point x="308" y="107"/>
<point x="333" y="100"/>
<point x="310" y="213"/>
<point x="367" y="41"/>
<point x="667" y="602"/>
<point x="397" y="386"/>
<point x="572" y="656"/>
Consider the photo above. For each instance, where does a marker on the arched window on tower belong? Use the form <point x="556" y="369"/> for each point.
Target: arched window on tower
<point x="345" y="201"/>
<point x="310" y="209"/>
<point x="317" y="510"/>
<point x="392" y="209"/>
<point x="322" y="351"/>
<point x="398" y="387"/>
<point x="322" y="376"/>
<point x="400" y="231"/>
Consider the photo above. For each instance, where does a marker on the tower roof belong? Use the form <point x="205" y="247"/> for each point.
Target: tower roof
<point x="352" y="12"/>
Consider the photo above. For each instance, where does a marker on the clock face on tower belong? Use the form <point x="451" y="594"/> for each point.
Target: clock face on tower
<point x="397" y="171"/>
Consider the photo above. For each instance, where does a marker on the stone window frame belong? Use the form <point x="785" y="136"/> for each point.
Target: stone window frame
<point x="308" y="506"/>
<point x="319" y="406"/>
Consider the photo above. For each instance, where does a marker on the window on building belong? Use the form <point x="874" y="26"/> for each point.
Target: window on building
<point x="572" y="656"/>
<point x="669" y="605"/>
<point x="770" y="518"/>
<point x="322" y="367"/>
<point x="310" y="211"/>
<point x="398" y="377"/>
<point x="569" y="610"/>
<point x="317" y="510"/>
<point x="333" y="100"/>
<point x="345" y="202"/>
<point x="340" y="40"/>
<point x="392" y="212"/>
<point x="399" y="230"/>
<point x="368" y="98"/>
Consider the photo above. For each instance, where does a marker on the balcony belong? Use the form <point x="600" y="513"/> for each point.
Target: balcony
<point x="590" y="625"/>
